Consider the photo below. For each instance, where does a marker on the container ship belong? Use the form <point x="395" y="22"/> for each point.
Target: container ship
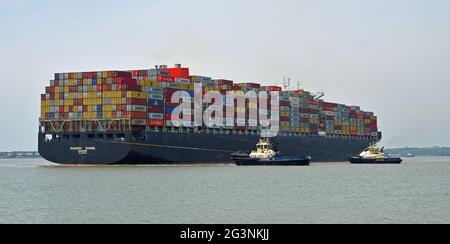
<point x="125" y="117"/>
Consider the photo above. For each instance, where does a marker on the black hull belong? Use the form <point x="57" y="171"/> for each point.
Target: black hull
<point x="187" y="148"/>
<point x="358" y="160"/>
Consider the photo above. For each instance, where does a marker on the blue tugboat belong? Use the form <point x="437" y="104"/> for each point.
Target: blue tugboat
<point x="374" y="155"/>
<point x="266" y="154"/>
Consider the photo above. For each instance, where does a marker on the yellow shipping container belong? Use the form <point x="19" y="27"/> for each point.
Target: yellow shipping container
<point x="107" y="108"/>
<point x="107" y="114"/>
<point x="210" y="89"/>
<point x="285" y="124"/>
<point x="186" y="87"/>
<point x="68" y="102"/>
<point x="145" y="83"/>
<point x="285" y="114"/>
<point x="87" y="102"/>
<point x="338" y="122"/>
<point x="155" y="84"/>
<point x="240" y="110"/>
<point x="117" y="94"/>
<point x="136" y="95"/>
<point x="66" y="89"/>
<point x="253" y="105"/>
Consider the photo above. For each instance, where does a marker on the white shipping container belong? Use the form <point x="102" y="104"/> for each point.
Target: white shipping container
<point x="253" y="122"/>
<point x="157" y="116"/>
<point x="139" y="122"/>
<point x="182" y="81"/>
<point x="240" y="122"/>
<point x="136" y="108"/>
<point x="155" y="96"/>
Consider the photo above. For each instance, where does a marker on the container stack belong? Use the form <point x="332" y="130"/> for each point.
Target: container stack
<point x="285" y="112"/>
<point x="135" y="99"/>
<point x="155" y="106"/>
<point x="93" y="97"/>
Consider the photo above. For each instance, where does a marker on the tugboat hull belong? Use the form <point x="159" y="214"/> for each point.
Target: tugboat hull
<point x="360" y="160"/>
<point x="275" y="162"/>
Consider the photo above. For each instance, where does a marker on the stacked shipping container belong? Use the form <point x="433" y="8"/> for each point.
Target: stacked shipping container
<point x="99" y="100"/>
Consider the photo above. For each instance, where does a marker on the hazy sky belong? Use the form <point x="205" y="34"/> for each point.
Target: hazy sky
<point x="388" y="56"/>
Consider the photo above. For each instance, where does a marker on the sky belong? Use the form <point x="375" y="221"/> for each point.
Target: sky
<point x="387" y="56"/>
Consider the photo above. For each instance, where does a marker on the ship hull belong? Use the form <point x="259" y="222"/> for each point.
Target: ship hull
<point x="359" y="160"/>
<point x="187" y="148"/>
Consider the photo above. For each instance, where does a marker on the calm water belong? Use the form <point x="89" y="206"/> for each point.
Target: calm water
<point x="416" y="192"/>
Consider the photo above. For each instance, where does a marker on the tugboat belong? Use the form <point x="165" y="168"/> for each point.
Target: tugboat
<point x="267" y="154"/>
<point x="374" y="155"/>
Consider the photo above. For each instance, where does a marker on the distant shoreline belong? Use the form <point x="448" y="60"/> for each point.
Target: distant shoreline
<point x="19" y="154"/>
<point x="420" y="152"/>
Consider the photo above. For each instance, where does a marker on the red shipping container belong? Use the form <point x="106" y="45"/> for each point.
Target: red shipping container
<point x="165" y="79"/>
<point x="125" y="81"/>
<point x="134" y="73"/>
<point x="251" y="85"/>
<point x="138" y="115"/>
<point x="50" y="90"/>
<point x="313" y="102"/>
<point x="157" y="123"/>
<point x="274" y="88"/>
<point x="285" y="119"/>
<point x="329" y="109"/>
<point x="305" y="110"/>
<point x="228" y="83"/>
<point x="135" y="101"/>
<point x="178" y="73"/>
<point x="360" y="116"/>
<point x="154" y="109"/>
<point x="285" y="103"/>
<point x="168" y="116"/>
<point x="237" y="87"/>
<point x="304" y="121"/>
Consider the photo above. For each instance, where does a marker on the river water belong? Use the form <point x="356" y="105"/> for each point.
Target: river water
<point x="35" y="191"/>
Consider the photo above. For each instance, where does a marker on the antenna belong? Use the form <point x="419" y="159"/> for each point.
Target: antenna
<point x="299" y="85"/>
<point x="287" y="83"/>
<point x="319" y="95"/>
